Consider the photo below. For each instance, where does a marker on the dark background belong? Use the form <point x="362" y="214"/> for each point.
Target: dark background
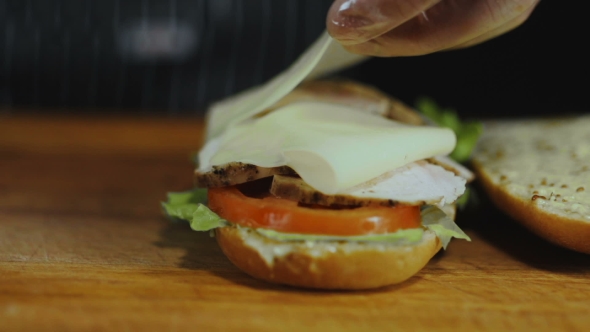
<point x="174" y="57"/>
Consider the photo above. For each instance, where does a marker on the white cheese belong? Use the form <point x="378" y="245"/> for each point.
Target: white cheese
<point x="324" y="56"/>
<point x="332" y="147"/>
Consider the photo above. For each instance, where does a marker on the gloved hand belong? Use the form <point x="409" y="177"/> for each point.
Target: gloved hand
<point x="390" y="28"/>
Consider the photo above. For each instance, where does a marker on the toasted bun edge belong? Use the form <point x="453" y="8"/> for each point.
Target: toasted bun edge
<point x="557" y="229"/>
<point x="345" y="266"/>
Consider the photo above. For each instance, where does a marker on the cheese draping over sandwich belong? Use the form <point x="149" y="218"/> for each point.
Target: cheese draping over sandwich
<point x="332" y="147"/>
<point x="324" y="56"/>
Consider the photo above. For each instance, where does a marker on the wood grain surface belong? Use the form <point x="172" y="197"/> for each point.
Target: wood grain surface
<point x="83" y="246"/>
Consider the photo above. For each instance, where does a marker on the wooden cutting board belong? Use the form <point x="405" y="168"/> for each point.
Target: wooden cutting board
<point x="84" y="246"/>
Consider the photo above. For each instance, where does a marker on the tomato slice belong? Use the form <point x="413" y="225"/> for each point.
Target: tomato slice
<point x="286" y="216"/>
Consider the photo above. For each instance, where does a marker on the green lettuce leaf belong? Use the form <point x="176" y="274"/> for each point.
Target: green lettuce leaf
<point x="195" y="196"/>
<point x="189" y="206"/>
<point x="467" y="132"/>
<point x="433" y="219"/>
<point x="402" y="236"/>
<point x="445" y="228"/>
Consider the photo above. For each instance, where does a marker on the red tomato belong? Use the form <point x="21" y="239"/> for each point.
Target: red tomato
<point x="286" y="216"/>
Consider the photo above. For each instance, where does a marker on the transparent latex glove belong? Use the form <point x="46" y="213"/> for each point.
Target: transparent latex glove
<point x="390" y="28"/>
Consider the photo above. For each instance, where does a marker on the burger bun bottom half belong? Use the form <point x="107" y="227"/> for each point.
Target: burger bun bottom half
<point x="325" y="265"/>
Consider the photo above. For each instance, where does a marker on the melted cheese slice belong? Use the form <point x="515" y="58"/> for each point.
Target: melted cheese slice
<point x="323" y="57"/>
<point x="332" y="147"/>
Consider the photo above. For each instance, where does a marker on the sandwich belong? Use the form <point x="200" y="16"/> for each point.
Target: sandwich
<point x="538" y="172"/>
<point x="282" y="222"/>
<point x="324" y="184"/>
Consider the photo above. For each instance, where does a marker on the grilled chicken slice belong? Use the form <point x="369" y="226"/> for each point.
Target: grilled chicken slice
<point x="236" y="173"/>
<point x="418" y="183"/>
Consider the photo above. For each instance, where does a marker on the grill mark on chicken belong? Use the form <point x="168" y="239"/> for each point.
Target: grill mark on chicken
<point x="236" y="173"/>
